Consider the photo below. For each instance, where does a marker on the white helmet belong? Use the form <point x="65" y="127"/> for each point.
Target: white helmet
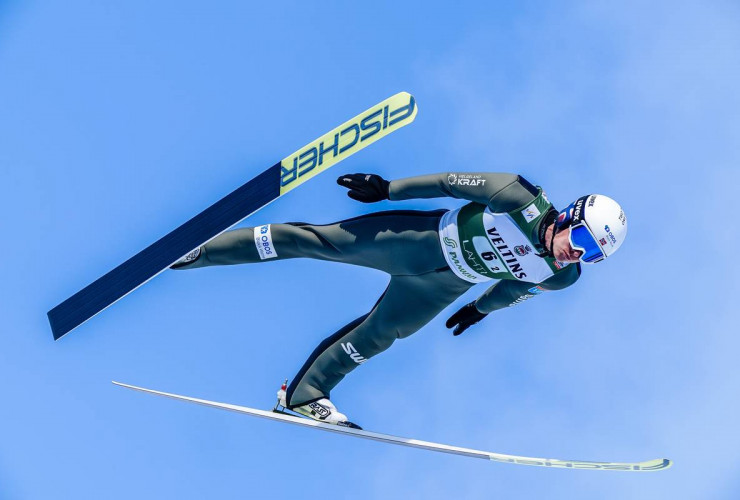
<point x="597" y="226"/>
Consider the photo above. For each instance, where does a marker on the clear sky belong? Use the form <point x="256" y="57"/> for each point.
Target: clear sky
<point x="121" y="120"/>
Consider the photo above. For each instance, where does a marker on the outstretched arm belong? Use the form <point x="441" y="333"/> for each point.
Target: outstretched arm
<point x="498" y="296"/>
<point x="505" y="294"/>
<point x="501" y="192"/>
<point x="508" y="293"/>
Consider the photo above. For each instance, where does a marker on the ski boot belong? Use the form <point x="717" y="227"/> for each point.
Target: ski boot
<point x="322" y="410"/>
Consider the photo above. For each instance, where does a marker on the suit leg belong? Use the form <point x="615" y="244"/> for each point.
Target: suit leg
<point x="408" y="304"/>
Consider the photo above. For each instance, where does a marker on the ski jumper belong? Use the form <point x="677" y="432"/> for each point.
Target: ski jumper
<point x="432" y="258"/>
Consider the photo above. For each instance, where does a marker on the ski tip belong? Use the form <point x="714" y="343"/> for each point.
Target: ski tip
<point x="658" y="464"/>
<point x="655" y="464"/>
<point x="128" y="386"/>
<point x="646" y="466"/>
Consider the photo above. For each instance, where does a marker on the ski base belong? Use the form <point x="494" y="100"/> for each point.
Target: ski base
<point x="646" y="466"/>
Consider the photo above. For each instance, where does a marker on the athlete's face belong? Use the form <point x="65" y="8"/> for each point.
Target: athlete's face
<point x="562" y="249"/>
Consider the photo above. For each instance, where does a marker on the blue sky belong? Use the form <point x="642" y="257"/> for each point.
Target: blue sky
<point x="119" y="121"/>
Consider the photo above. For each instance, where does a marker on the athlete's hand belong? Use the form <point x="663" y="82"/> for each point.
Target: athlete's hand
<point x="466" y="317"/>
<point x="367" y="188"/>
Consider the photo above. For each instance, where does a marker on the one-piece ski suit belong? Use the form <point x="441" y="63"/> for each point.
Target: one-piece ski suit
<point x="432" y="258"/>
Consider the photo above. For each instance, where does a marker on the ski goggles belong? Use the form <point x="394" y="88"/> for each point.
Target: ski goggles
<point x="582" y="239"/>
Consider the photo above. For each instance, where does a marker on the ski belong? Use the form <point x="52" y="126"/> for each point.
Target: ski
<point x="649" y="465"/>
<point x="284" y="176"/>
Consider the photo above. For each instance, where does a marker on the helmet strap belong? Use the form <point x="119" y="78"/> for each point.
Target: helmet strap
<point x="549" y="220"/>
<point x="548" y="251"/>
<point x="552" y="239"/>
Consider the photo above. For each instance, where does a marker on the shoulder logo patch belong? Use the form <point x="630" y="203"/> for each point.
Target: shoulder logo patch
<point x="530" y="213"/>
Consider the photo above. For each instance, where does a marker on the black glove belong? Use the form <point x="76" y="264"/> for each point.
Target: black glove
<point x="466" y="317"/>
<point x="367" y="188"/>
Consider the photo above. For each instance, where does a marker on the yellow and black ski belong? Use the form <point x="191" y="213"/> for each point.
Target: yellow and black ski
<point x="284" y="176"/>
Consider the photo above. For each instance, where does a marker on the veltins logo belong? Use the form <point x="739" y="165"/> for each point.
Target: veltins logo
<point x="531" y="213"/>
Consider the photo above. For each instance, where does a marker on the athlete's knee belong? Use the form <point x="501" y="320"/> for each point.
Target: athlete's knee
<point x="385" y="328"/>
<point x="276" y="240"/>
<point x="305" y="240"/>
<point x="383" y="343"/>
<point x="405" y="330"/>
<point x="374" y="340"/>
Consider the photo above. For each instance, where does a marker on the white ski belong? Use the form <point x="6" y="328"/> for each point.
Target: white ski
<point x="649" y="465"/>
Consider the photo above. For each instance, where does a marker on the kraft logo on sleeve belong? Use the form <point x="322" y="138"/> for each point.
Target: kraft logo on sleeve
<point x="466" y="180"/>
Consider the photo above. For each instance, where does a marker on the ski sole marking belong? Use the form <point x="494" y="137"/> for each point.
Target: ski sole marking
<point x="646" y="466"/>
<point x="292" y="171"/>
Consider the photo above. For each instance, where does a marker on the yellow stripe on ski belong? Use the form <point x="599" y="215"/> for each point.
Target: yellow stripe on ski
<point x="345" y="140"/>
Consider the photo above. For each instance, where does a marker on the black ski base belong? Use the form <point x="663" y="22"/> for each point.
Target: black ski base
<point x="160" y="255"/>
